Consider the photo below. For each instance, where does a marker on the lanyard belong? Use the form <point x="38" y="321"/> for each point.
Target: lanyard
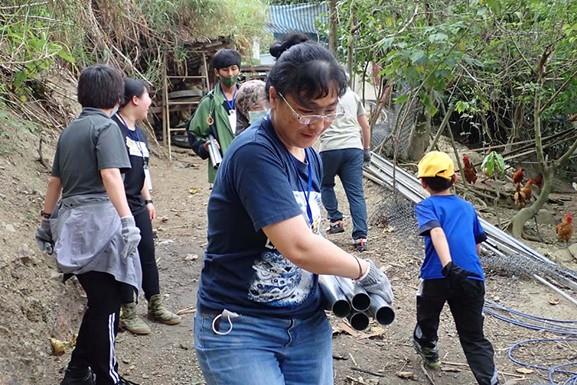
<point x="230" y="103"/>
<point x="309" y="185"/>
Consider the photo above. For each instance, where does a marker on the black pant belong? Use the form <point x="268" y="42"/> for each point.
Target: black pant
<point x="150" y="284"/>
<point x="97" y="334"/>
<point x="466" y="304"/>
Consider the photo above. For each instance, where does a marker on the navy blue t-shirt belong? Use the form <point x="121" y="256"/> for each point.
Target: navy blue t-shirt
<point x="137" y="148"/>
<point x="259" y="183"/>
<point x="460" y="222"/>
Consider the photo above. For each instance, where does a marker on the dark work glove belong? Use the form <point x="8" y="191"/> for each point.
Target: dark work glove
<point x="44" y="237"/>
<point x="376" y="282"/>
<point x="130" y="235"/>
<point x="367" y="155"/>
<point x="456" y="275"/>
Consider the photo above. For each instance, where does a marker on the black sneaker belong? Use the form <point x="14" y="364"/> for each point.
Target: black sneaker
<point x="74" y="376"/>
<point x="336" y="227"/>
<point x="430" y="356"/>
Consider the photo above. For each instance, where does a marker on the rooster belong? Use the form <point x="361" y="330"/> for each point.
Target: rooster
<point x="469" y="170"/>
<point x="523" y="194"/>
<point x="518" y="175"/>
<point x="538" y="181"/>
<point x="565" y="228"/>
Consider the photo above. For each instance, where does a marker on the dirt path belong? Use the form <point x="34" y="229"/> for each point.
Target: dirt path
<point x="167" y="357"/>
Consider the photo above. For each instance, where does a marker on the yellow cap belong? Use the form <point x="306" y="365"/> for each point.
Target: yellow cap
<point x="436" y="163"/>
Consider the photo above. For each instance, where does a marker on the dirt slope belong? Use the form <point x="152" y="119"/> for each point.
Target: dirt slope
<point x="35" y="305"/>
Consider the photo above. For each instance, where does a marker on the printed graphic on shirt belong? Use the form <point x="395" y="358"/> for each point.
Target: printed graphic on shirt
<point x="277" y="281"/>
<point x="137" y="148"/>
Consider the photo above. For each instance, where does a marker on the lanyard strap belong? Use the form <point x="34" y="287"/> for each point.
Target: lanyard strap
<point x="307" y="192"/>
<point x="230" y="103"/>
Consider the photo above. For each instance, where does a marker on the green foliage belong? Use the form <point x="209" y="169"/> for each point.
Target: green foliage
<point x="493" y="165"/>
<point x="27" y="44"/>
<point x="36" y="35"/>
<point x="481" y="54"/>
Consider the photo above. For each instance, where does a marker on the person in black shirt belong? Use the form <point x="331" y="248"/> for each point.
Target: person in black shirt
<point x="138" y="186"/>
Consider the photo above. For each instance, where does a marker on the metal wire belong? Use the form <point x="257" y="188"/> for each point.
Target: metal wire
<point x="552" y="370"/>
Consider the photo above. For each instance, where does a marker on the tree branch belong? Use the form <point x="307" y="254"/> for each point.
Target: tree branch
<point x="565" y="157"/>
<point x="558" y="91"/>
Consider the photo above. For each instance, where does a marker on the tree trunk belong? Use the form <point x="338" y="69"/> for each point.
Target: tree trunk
<point x="333" y="26"/>
<point x="518" y="221"/>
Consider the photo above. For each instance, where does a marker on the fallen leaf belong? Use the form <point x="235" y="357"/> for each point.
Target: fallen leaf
<point x="343" y="327"/>
<point x="554" y="301"/>
<point x="58" y="347"/>
<point x="406" y="375"/>
<point x="524" y="370"/>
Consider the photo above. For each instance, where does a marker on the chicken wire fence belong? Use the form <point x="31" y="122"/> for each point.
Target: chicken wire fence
<point x="397" y="214"/>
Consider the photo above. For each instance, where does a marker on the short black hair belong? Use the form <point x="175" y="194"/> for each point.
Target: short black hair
<point x="132" y="87"/>
<point x="305" y="70"/>
<point x="225" y="57"/>
<point x="437" y="183"/>
<point x="100" y="86"/>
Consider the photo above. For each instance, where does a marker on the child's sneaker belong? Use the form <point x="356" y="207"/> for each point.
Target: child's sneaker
<point x="430" y="356"/>
<point x="360" y="244"/>
<point x="336" y="227"/>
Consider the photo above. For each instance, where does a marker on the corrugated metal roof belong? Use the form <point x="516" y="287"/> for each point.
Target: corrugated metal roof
<point x="297" y="18"/>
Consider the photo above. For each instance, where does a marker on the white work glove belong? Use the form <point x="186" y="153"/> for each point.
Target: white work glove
<point x="130" y="235"/>
<point x="375" y="282"/>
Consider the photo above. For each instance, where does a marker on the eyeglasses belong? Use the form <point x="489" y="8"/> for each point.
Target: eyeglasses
<point x="308" y="119"/>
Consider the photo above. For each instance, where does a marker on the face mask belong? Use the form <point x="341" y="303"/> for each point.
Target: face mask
<point x="229" y="82"/>
<point x="253" y="116"/>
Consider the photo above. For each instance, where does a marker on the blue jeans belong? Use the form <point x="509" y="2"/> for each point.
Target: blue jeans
<point x="348" y="165"/>
<point x="265" y="350"/>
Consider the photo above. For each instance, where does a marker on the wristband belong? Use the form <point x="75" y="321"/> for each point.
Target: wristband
<point x="44" y="214"/>
<point x="147" y="201"/>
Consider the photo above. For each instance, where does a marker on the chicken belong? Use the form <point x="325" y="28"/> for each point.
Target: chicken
<point x="538" y="181"/>
<point x="523" y="194"/>
<point x="518" y="175"/>
<point x="565" y="228"/>
<point x="469" y="170"/>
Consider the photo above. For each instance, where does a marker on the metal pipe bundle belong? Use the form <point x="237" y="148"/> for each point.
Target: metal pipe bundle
<point x="346" y="299"/>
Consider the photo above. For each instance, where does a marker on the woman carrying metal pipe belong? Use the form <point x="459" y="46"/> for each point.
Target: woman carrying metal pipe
<point x="259" y="317"/>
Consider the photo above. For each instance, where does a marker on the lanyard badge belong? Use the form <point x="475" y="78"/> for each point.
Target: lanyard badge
<point x="307" y="192"/>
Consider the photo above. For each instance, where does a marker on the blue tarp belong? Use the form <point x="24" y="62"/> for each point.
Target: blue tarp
<point x="297" y="18"/>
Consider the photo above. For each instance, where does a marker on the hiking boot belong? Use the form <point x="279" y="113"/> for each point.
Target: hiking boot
<point x="360" y="244"/>
<point x="75" y="376"/>
<point x="430" y="356"/>
<point x="157" y="312"/>
<point x="336" y="227"/>
<point x="124" y="381"/>
<point x="130" y="321"/>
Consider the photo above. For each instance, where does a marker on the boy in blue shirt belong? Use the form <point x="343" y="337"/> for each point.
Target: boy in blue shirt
<point x="451" y="271"/>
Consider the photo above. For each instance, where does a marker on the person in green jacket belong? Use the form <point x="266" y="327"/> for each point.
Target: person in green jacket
<point x="216" y="114"/>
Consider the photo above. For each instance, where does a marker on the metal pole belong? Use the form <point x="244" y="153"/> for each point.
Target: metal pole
<point x="335" y="299"/>
<point x="381" y="311"/>
<point x="358" y="320"/>
<point x="357" y="296"/>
